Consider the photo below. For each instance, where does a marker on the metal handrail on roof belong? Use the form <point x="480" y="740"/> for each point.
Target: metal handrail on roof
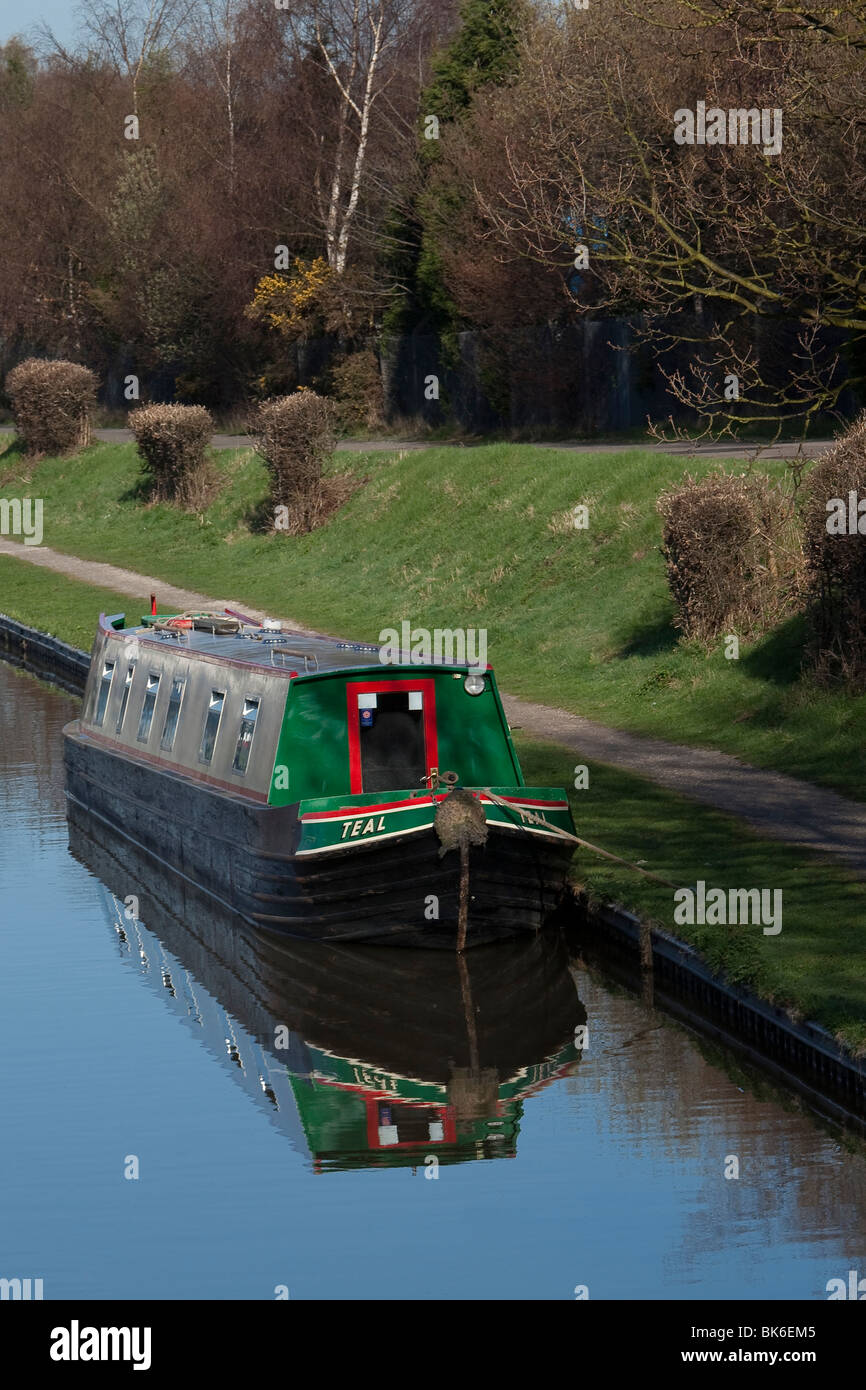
<point x="306" y="657"/>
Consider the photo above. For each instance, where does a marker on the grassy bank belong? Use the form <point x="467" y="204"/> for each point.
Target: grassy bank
<point x="480" y="537"/>
<point x="63" y="607"/>
<point x="815" y="964"/>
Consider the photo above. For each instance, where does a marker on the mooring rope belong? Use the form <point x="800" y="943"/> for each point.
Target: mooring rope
<point x="567" y="835"/>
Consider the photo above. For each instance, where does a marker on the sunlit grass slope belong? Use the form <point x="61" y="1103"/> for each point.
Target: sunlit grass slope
<point x="481" y="537"/>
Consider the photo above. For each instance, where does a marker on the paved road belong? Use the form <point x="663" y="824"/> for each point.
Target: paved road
<point x="780" y="807"/>
<point x="356" y="446"/>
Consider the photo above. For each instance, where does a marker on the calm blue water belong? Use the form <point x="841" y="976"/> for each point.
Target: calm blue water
<point x="124" y="1038"/>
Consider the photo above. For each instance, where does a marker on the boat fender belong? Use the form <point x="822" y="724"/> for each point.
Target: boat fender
<point x="460" y="821"/>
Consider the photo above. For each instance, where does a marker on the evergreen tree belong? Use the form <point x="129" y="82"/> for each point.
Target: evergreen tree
<point x="483" y="52"/>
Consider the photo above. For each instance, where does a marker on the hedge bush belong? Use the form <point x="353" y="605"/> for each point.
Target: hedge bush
<point x="836" y="560"/>
<point x="732" y="550"/>
<point x="358" y="391"/>
<point x="52" y="404"/>
<point x="295" y="437"/>
<point x="172" y="441"/>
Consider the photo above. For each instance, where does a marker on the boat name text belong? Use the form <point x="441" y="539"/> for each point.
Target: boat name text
<point x="369" y="827"/>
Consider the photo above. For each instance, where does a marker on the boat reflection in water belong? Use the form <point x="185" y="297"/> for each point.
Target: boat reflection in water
<point x="364" y="1057"/>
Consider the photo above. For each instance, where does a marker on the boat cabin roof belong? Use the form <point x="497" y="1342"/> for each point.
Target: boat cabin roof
<point x="270" y="649"/>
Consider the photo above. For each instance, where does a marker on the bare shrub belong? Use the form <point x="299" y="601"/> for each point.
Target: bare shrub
<point x="52" y="403"/>
<point x="836" y="561"/>
<point x="358" y="391"/>
<point x="172" y="441"/>
<point x="733" y="552"/>
<point x="295" y="437"/>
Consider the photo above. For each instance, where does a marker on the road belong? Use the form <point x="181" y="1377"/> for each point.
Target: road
<point x="687" y="448"/>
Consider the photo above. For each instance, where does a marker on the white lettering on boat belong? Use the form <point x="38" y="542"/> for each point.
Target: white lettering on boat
<point x="374" y="1080"/>
<point x="362" y="827"/>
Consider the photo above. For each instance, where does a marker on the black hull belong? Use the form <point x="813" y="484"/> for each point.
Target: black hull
<point x="242" y="854"/>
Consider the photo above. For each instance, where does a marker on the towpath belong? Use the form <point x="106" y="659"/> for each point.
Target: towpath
<point x="780" y="807"/>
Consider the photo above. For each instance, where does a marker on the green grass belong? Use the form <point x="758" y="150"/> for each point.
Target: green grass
<point x="482" y="537"/>
<point x="62" y="607"/>
<point x="815" y="965"/>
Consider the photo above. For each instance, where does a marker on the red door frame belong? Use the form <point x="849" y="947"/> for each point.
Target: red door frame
<point x="431" y="740"/>
<point x="445" y="1114"/>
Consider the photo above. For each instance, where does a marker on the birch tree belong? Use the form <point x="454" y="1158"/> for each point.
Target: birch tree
<point x="359" y="43"/>
<point x="215" y="33"/>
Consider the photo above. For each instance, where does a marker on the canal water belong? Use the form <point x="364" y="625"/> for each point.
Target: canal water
<point x="194" y="1110"/>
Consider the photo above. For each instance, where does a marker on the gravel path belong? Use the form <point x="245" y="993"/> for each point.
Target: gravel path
<point x="780" y="807"/>
<point x="137" y="586"/>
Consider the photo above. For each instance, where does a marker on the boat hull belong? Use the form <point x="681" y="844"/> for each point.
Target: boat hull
<point x="254" y="858"/>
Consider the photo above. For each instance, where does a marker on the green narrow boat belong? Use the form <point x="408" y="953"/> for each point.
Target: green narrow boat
<point x="314" y="789"/>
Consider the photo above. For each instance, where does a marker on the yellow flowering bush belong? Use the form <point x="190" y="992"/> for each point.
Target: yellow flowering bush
<point x="291" y="304"/>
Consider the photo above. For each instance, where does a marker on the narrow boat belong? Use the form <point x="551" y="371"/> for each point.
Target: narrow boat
<point x="311" y="788"/>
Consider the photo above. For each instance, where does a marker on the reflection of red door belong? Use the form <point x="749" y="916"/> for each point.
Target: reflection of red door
<point x="393" y="743"/>
<point x="423" y="1124"/>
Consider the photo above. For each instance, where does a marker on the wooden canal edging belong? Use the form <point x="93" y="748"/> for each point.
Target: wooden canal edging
<point x="44" y="655"/>
<point x="667" y="972"/>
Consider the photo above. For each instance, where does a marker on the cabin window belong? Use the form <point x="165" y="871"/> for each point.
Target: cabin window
<point x="104" y="691"/>
<point x="172" y="715"/>
<point x="147" y="707"/>
<point x="245" y="737"/>
<point x="124" y="699"/>
<point x="211" y="724"/>
<point x="392" y="745"/>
